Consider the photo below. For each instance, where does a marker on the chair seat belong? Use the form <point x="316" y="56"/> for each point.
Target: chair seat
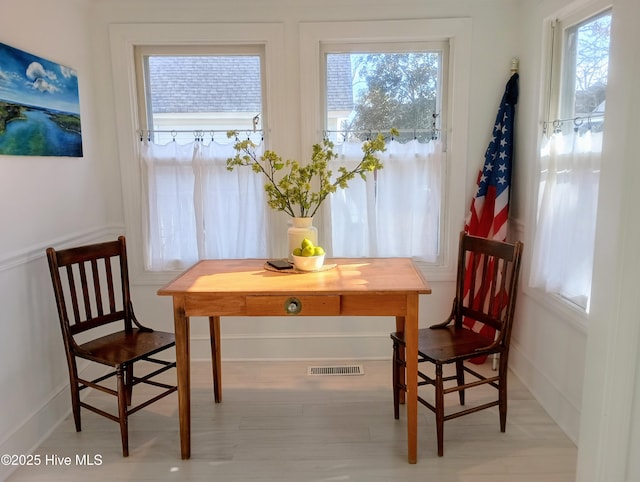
<point x="125" y="347"/>
<point x="448" y="344"/>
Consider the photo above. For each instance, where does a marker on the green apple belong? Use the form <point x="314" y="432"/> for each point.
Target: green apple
<point x="306" y="243"/>
<point x="297" y="252"/>
<point x="308" y="251"/>
<point x="318" y="251"/>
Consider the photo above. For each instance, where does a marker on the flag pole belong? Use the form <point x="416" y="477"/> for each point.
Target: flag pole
<point x="515" y="64"/>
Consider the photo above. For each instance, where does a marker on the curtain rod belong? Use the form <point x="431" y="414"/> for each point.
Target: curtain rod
<point x="577" y="120"/>
<point x="197" y="133"/>
<point x="345" y="133"/>
<point x="371" y="131"/>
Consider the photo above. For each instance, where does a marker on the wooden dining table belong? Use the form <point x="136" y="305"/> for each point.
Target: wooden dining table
<point x="249" y="287"/>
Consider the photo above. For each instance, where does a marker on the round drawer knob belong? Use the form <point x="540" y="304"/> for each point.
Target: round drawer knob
<point x="293" y="306"/>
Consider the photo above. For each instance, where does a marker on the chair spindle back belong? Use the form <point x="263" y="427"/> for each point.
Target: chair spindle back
<point x="490" y="271"/>
<point x="91" y="286"/>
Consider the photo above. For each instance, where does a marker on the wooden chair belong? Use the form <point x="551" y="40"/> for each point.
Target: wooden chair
<point x="487" y="271"/>
<point x="91" y="287"/>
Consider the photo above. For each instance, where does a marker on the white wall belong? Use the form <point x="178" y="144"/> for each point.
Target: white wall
<point x="59" y="201"/>
<point x="46" y="201"/>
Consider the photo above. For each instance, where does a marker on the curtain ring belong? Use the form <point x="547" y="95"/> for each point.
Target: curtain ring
<point x="577" y="123"/>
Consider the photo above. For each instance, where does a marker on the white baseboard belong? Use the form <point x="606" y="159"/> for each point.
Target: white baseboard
<point x="298" y="346"/>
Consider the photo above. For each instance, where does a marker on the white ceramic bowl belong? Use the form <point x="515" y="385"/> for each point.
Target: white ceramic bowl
<point x="308" y="263"/>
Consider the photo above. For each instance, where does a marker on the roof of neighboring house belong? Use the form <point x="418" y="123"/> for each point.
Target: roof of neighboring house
<point x="340" y="81"/>
<point x="227" y="84"/>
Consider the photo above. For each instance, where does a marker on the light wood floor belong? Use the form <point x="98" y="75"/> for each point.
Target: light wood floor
<point x="278" y="424"/>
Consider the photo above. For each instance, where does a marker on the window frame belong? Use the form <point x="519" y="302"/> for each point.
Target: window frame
<point x="550" y="108"/>
<point x="316" y="36"/>
<point x="442" y="48"/>
<point x="142" y="52"/>
<point x="124" y="38"/>
<point x="397" y="48"/>
<point x="557" y="29"/>
<point x="202" y="126"/>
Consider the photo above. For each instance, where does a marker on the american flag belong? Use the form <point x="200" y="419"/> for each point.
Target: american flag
<point x="490" y="207"/>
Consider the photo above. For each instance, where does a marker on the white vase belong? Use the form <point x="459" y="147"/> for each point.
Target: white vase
<point x="299" y="229"/>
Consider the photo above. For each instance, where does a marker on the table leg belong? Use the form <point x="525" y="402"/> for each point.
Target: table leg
<point x="411" y="354"/>
<point x="181" y="322"/>
<point x="214" y="332"/>
<point x="401" y="376"/>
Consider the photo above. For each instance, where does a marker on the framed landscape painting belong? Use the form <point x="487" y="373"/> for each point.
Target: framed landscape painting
<point x="39" y="106"/>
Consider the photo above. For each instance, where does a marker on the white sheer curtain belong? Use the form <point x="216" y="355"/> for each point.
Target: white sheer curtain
<point x="198" y="209"/>
<point x="568" y="198"/>
<point x="397" y="211"/>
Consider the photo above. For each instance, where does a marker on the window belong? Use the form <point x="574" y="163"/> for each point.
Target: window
<point x="452" y="37"/>
<point x="585" y="67"/>
<point x="173" y="173"/>
<point x="370" y="89"/>
<point x="570" y="158"/>
<point x="196" y="208"/>
<point x="187" y="95"/>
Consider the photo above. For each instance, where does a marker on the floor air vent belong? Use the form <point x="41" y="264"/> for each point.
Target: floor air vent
<point x="336" y="370"/>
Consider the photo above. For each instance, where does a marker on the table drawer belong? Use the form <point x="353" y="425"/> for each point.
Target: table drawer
<point x="305" y="305"/>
